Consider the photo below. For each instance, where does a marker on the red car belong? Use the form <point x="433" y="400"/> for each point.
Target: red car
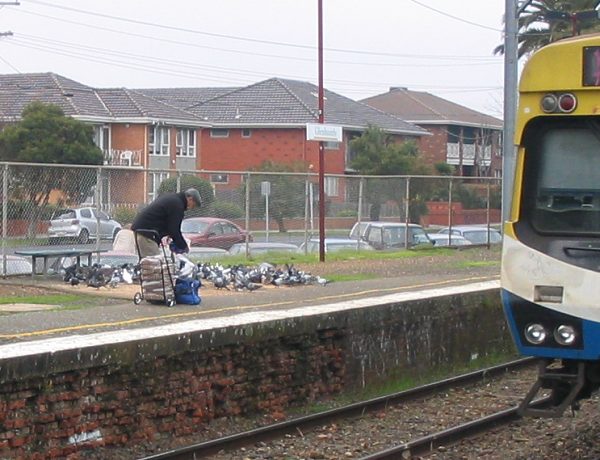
<point x="213" y="232"/>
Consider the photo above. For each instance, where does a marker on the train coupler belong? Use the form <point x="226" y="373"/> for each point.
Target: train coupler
<point x="566" y="384"/>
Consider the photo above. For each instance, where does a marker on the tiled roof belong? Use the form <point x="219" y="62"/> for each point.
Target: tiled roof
<point x="423" y="108"/>
<point x="18" y="90"/>
<point x="127" y="103"/>
<point x="184" y="97"/>
<point x="288" y="102"/>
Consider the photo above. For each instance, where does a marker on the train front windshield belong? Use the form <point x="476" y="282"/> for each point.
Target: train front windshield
<point x="562" y="167"/>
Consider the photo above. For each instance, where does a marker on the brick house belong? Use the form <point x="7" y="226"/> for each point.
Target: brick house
<point x="210" y="129"/>
<point x="466" y="139"/>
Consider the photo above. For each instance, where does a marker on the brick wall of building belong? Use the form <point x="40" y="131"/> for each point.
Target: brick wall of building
<point x="433" y="148"/>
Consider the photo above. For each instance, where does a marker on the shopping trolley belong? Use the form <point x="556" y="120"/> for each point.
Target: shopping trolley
<point x="156" y="274"/>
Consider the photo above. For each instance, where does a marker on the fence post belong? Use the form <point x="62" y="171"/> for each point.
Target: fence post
<point x="450" y="212"/>
<point x="247" y="213"/>
<point x="406" y="212"/>
<point x="4" y="218"/>
<point x="99" y="193"/>
<point x="360" y="204"/>
<point x="487" y="214"/>
<point x="306" y="211"/>
<point x="178" y="181"/>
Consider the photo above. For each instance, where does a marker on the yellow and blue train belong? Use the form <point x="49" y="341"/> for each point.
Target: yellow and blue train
<point x="551" y="250"/>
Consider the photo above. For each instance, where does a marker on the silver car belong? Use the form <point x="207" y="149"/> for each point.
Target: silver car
<point x="475" y="234"/>
<point x="81" y="225"/>
<point x="335" y="244"/>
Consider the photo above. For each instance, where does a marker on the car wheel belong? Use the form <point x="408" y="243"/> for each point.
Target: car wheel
<point x="84" y="237"/>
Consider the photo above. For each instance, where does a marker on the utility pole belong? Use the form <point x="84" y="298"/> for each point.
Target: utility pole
<point x="510" y="104"/>
<point x="321" y="146"/>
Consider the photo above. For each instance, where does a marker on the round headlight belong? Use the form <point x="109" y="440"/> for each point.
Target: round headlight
<point x="549" y="103"/>
<point x="535" y="333"/>
<point x="565" y="335"/>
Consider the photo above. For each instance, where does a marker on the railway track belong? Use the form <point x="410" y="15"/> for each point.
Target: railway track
<point x="429" y="443"/>
<point x="306" y="423"/>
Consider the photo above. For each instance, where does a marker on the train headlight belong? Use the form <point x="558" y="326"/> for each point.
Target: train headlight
<point x="565" y="335"/>
<point x="535" y="333"/>
<point x="549" y="103"/>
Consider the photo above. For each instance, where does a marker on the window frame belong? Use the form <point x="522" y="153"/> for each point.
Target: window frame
<point x="224" y="133"/>
<point x="185" y="143"/>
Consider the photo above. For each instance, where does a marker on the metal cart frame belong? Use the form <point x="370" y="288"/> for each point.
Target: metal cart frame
<point x="139" y="296"/>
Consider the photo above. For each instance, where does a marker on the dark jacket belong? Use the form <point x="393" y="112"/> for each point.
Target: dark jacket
<point x="164" y="215"/>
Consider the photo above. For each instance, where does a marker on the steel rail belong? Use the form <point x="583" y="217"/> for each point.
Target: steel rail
<point x="245" y="438"/>
<point x="427" y="444"/>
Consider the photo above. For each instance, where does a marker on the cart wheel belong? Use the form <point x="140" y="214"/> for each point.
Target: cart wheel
<point x="170" y="302"/>
<point x="137" y="298"/>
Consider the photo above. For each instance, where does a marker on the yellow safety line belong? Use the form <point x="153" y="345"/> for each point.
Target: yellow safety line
<point x="217" y="310"/>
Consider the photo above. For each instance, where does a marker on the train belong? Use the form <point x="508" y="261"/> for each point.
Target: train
<point x="550" y="269"/>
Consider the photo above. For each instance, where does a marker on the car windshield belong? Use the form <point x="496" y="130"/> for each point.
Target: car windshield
<point x="193" y="226"/>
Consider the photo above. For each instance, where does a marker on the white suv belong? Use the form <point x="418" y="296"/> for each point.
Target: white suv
<point x="385" y="235"/>
<point x="81" y="224"/>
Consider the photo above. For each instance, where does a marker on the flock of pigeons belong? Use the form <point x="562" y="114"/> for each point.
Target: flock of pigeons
<point x="236" y="277"/>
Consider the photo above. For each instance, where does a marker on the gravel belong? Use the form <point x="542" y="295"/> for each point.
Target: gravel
<point x="573" y="437"/>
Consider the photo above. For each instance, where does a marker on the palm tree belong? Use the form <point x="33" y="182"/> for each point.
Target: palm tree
<point x="545" y="21"/>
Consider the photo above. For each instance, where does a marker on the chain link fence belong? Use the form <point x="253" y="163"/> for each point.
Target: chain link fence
<point x="273" y="206"/>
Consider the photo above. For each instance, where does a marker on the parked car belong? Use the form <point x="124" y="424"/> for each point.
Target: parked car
<point x="475" y="234"/>
<point x="15" y="265"/>
<point x="262" y="248"/>
<point x="205" y="253"/>
<point x="443" y="239"/>
<point x="108" y="258"/>
<point x="358" y="229"/>
<point x="81" y="224"/>
<point x="335" y="244"/>
<point x="387" y="235"/>
<point x="213" y="232"/>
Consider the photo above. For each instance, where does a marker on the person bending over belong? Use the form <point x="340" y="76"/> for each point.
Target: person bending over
<point x="164" y="215"/>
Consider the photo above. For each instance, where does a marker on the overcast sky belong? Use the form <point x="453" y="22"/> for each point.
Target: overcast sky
<point x="439" y="46"/>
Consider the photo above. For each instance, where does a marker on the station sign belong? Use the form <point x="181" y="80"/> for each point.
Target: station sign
<point x="323" y="132"/>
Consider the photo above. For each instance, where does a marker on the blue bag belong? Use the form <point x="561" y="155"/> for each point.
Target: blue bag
<point x="186" y="291"/>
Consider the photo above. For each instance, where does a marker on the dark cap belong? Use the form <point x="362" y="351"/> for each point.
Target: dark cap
<point x="194" y="195"/>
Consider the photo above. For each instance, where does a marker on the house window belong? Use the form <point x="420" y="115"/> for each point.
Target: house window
<point x="158" y="140"/>
<point x="155" y="180"/>
<point x="185" y="143"/>
<point x="332" y="185"/>
<point x="329" y="145"/>
<point x="219" y="132"/>
<point x="246" y="132"/>
<point x="102" y="137"/>
<point x="219" y="178"/>
<point x="350" y="153"/>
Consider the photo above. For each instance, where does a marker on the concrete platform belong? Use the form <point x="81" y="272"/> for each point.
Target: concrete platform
<point x="36" y="325"/>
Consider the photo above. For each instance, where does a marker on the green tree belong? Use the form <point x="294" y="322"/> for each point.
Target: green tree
<point x="190" y="181"/>
<point x="287" y="195"/>
<point x="546" y="21"/>
<point x="45" y="135"/>
<point x="378" y="153"/>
